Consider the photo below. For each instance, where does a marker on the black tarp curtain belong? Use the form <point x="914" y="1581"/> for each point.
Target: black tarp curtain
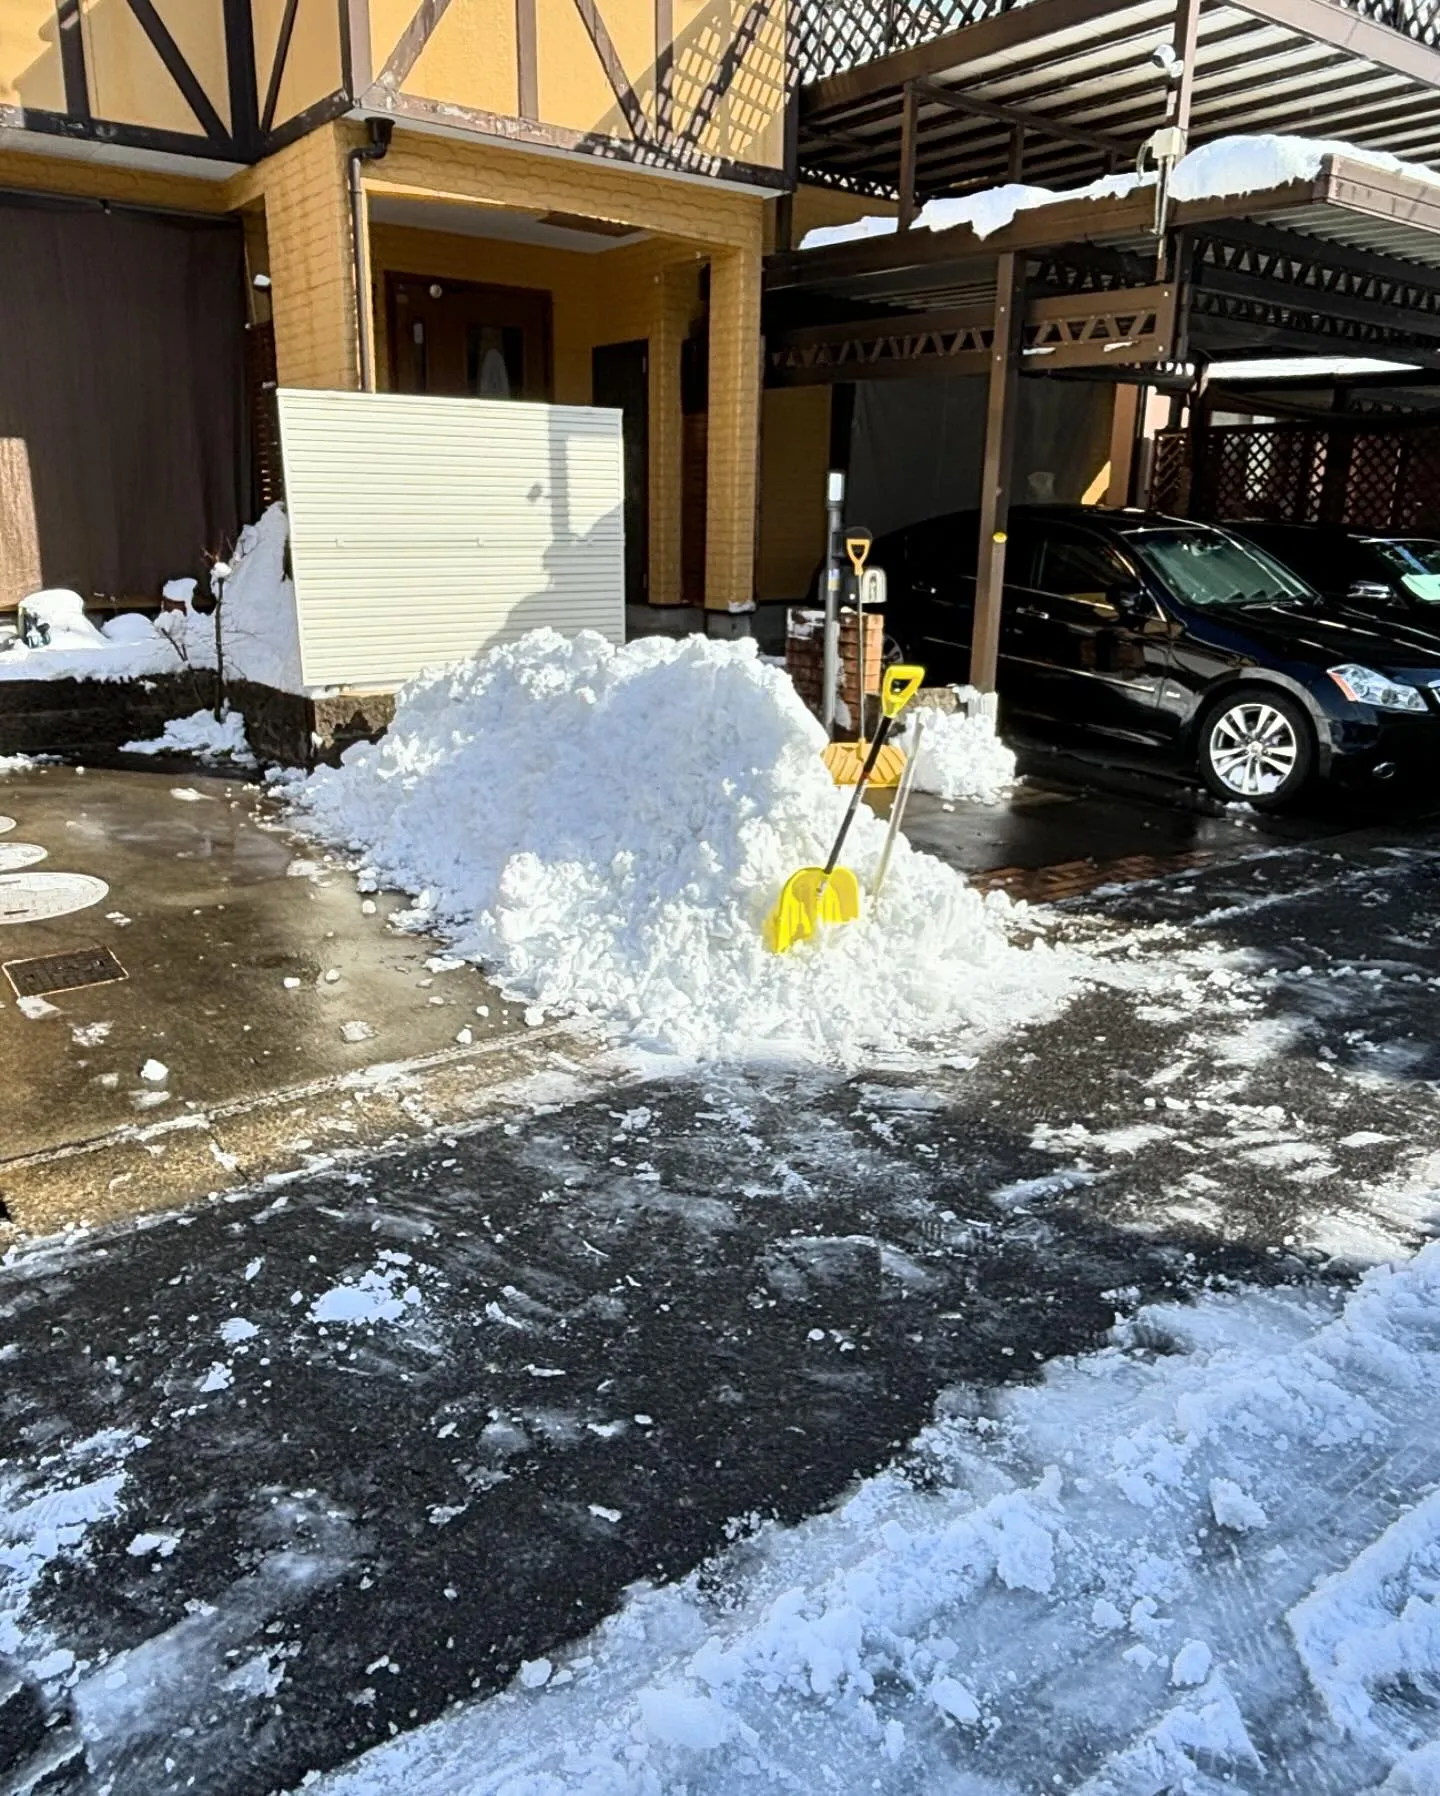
<point x="123" y="439"/>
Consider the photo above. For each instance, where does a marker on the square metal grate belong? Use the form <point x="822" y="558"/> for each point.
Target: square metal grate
<point x="63" y="972"/>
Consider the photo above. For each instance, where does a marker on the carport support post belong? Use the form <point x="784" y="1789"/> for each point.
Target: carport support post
<point x="1000" y="408"/>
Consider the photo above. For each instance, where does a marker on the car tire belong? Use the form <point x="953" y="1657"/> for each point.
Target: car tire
<point x="1256" y="747"/>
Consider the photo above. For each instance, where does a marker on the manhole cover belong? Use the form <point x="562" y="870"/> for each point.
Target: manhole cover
<point x="20" y="854"/>
<point x="31" y="897"/>
<point x="6" y="824"/>
<point x="63" y="972"/>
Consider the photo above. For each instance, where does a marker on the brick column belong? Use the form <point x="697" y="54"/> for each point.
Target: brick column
<point x="734" y="426"/>
<point x="307" y="227"/>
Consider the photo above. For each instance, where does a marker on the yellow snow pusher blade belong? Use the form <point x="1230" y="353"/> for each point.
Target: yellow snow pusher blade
<point x="807" y="899"/>
<point x="831" y="894"/>
<point x="845" y="759"/>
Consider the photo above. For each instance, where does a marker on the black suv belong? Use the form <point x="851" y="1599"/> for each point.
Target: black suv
<point x="1173" y="642"/>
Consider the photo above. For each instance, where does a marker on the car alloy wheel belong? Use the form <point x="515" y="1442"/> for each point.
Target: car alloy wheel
<point x="1253" y="748"/>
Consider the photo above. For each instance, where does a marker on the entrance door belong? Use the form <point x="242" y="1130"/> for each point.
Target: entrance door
<point x="468" y="341"/>
<point x="620" y="377"/>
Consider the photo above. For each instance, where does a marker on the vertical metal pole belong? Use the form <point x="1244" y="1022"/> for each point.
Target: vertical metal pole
<point x="909" y="124"/>
<point x="830" y="674"/>
<point x="1000" y="409"/>
<point x="1186" y="41"/>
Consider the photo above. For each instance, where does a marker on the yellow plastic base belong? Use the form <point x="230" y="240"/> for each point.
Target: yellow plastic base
<point x="808" y="899"/>
<point x="845" y="759"/>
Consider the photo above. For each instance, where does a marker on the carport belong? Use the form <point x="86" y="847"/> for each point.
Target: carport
<point x="1136" y="282"/>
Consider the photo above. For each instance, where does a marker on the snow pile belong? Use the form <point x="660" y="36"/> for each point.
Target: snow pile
<point x="260" y="623"/>
<point x="961" y="754"/>
<point x="260" y="633"/>
<point x="1049" y="1595"/>
<point x="607" y="828"/>
<point x="1230" y="165"/>
<point x="199" y="734"/>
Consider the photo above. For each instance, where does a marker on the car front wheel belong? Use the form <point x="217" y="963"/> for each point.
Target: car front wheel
<point x="1257" y="748"/>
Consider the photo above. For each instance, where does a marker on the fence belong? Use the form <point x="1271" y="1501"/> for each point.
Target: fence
<point x="1380" y="478"/>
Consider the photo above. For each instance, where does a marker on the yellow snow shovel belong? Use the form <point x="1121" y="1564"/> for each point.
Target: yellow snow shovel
<point x="831" y="894"/>
<point x="845" y="759"/>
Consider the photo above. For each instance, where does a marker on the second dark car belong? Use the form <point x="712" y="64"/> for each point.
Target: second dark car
<point x="1390" y="575"/>
<point x="1173" y="642"/>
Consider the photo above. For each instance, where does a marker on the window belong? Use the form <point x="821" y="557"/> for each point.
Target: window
<point x="1417" y="562"/>
<point x="1076" y="566"/>
<point x="1202" y="567"/>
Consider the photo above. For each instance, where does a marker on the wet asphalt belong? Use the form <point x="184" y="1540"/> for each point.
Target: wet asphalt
<point x="627" y="1327"/>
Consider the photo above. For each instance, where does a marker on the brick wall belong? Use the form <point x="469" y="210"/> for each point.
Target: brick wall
<point x="805" y="662"/>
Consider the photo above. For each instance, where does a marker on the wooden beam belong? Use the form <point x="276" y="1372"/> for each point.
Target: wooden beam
<point x="1001" y="404"/>
<point x="664" y="68"/>
<point x="277" y="67"/>
<point x="357" y="68"/>
<point x="180" y="71"/>
<point x="527" y="60"/>
<point x="72" y="60"/>
<point x="413" y="39"/>
<point x="1015" y="163"/>
<point x="625" y="97"/>
<point x="240" y="73"/>
<point x="909" y="121"/>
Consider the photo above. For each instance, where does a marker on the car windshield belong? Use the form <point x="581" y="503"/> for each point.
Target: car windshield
<point x="1202" y="567"/>
<point x="1416" y="560"/>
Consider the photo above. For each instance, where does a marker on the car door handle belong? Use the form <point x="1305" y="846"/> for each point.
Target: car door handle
<point x="1035" y="611"/>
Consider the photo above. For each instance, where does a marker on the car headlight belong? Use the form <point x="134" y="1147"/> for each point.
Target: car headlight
<point x="1366" y="687"/>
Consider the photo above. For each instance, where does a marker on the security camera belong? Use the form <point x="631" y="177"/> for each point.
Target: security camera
<point x="1165" y="59"/>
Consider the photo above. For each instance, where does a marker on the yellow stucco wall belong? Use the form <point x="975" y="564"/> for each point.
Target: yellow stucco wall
<point x="41" y="173"/>
<point x="472" y="61"/>
<point x="30" y="73"/>
<point x="130" y="85"/>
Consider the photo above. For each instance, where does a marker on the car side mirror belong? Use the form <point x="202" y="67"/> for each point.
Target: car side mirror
<point x="1371" y="592"/>
<point x="1132" y="602"/>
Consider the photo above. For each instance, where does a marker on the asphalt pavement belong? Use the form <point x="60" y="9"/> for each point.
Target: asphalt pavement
<point x="339" y="1452"/>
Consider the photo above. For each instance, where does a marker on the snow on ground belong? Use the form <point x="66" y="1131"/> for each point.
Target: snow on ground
<point x="199" y="734"/>
<point x="1201" y="1557"/>
<point x="606" y="830"/>
<point x="1230" y="165"/>
<point x="961" y="754"/>
<point x="261" y="632"/>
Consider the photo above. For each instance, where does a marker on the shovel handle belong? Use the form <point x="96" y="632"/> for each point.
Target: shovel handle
<point x="858" y="793"/>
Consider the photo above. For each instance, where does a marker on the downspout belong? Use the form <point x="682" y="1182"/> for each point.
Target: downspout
<point x="381" y="130"/>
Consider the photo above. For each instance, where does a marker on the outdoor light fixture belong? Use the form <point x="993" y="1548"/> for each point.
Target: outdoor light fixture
<point x="261" y="281"/>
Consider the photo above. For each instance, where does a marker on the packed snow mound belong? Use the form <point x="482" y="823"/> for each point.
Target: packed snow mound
<point x="260" y="626"/>
<point x="606" y="829"/>
<point x="961" y="754"/>
<point x="199" y="734"/>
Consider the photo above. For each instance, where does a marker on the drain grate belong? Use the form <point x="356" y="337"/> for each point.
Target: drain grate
<point x="63" y="972"/>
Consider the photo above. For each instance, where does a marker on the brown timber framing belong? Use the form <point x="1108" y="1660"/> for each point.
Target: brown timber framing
<point x="413" y="39"/>
<point x="1000" y="408"/>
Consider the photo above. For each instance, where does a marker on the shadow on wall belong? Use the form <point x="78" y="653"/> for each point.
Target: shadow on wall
<point x="916" y="446"/>
<point x="122" y="441"/>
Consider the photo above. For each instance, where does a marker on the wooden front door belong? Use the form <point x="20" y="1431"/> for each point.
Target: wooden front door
<point x="463" y="340"/>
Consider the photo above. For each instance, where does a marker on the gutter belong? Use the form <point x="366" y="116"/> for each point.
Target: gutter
<point x="381" y="131"/>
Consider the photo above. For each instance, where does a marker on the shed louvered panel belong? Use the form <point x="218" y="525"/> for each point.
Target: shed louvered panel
<point x="423" y="529"/>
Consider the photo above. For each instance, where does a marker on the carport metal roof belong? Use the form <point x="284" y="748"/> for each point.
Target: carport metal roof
<point x="1078" y="79"/>
<point x="1345" y="263"/>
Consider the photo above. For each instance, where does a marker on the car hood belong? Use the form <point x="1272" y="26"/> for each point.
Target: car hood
<point x="1410" y="633"/>
<point x="1326" y="638"/>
